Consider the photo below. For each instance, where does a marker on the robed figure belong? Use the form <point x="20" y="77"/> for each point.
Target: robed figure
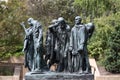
<point x="62" y="44"/>
<point x="33" y="46"/>
<point x="50" y="42"/>
<point x="28" y="47"/>
<point x="38" y="46"/>
<point x="78" y="47"/>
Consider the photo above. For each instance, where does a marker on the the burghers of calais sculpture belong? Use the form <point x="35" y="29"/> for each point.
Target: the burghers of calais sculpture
<point x="78" y="47"/>
<point x="62" y="44"/>
<point x="68" y="49"/>
<point x="50" y="57"/>
<point x="33" y="45"/>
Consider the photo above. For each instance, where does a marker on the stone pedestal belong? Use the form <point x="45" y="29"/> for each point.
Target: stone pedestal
<point x="58" y="76"/>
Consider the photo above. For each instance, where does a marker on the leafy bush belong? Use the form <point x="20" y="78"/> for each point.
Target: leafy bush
<point x="11" y="34"/>
<point x="98" y="43"/>
<point x="112" y="59"/>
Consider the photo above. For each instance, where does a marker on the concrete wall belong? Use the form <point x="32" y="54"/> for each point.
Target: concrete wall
<point x="17" y="72"/>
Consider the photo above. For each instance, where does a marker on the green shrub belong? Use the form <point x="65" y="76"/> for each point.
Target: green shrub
<point x="112" y="60"/>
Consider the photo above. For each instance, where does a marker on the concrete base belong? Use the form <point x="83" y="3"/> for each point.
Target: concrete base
<point x="58" y="76"/>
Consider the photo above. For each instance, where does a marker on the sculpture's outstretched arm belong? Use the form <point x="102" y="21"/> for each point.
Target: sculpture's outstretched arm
<point x="23" y="25"/>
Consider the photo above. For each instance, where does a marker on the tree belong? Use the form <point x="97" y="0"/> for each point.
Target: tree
<point x="112" y="59"/>
<point x="96" y="8"/>
<point x="46" y="10"/>
<point x="11" y="34"/>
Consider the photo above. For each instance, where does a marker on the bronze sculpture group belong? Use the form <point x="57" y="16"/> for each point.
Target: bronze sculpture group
<point x="64" y="46"/>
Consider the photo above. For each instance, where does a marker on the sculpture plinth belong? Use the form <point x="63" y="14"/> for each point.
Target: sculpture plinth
<point x="58" y="76"/>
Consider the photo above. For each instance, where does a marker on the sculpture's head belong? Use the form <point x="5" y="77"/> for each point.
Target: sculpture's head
<point x="61" y="22"/>
<point x="60" y="19"/>
<point x="30" y="21"/>
<point x="78" y="20"/>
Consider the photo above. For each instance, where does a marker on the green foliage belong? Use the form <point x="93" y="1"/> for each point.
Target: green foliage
<point x="98" y="42"/>
<point x="11" y="34"/>
<point x="112" y="59"/>
<point x="96" y="8"/>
